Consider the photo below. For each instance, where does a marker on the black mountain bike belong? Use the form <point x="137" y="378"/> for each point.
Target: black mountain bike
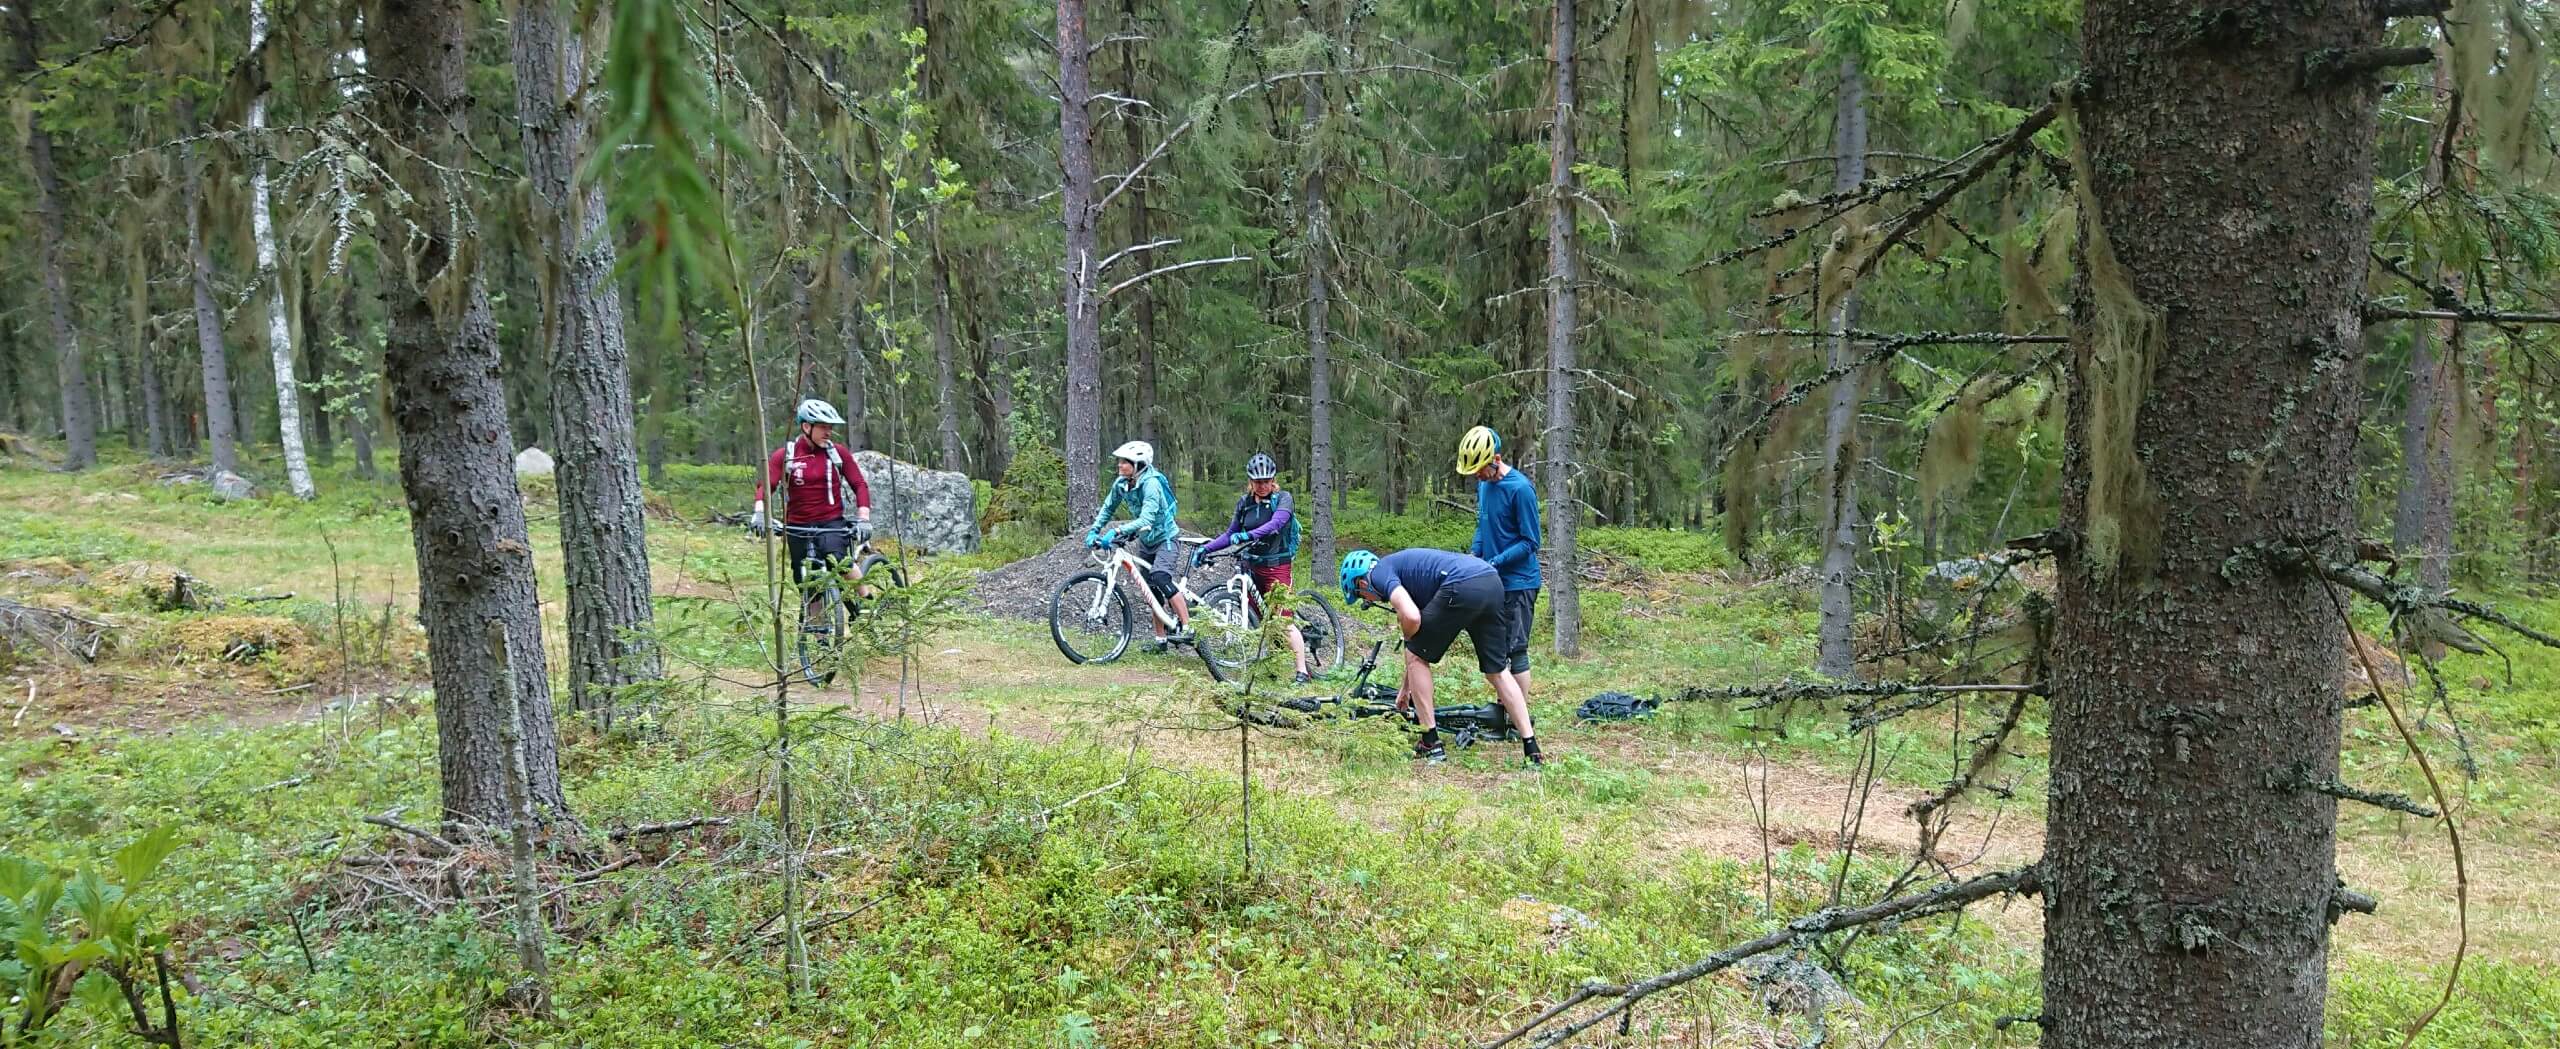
<point x="826" y="616"/>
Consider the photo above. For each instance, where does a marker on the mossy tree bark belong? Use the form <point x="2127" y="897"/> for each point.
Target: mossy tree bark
<point x="2187" y="903"/>
<point x="441" y="362"/>
<point x="603" y="536"/>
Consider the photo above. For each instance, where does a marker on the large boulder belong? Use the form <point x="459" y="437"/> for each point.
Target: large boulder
<point x="935" y="510"/>
<point x="228" y="485"/>
<point x="534" y="462"/>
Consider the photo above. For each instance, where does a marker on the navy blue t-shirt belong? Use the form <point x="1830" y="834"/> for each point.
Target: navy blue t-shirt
<point x="1421" y="572"/>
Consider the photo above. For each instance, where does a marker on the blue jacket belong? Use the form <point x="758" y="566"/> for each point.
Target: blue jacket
<point x="1149" y="497"/>
<point x="1422" y="572"/>
<point x="1507" y="529"/>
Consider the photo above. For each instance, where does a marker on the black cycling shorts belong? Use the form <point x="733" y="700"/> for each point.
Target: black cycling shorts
<point x="808" y="543"/>
<point x="1519" y="607"/>
<point x="1474" y="606"/>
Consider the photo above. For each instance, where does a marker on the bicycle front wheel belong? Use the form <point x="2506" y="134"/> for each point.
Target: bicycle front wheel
<point x="1322" y="629"/>
<point x="885" y="578"/>
<point x="822" y="636"/>
<point x="1089" y="620"/>
<point x="1222" y="628"/>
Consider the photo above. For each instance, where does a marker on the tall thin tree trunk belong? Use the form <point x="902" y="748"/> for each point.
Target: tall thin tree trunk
<point x="79" y="412"/>
<point x="1313" y="253"/>
<point x="356" y="406"/>
<point x="2187" y="895"/>
<point x="603" y="536"/>
<point x="990" y="392"/>
<point x="1564" y="279"/>
<point x="1841" y="451"/>
<point x="262" y="228"/>
<point x="441" y="363"/>
<point x="1149" y="409"/>
<point x="1083" y="451"/>
<point x="155" y="403"/>
<point x="2422" y="518"/>
<point x="221" y="425"/>
<point x="315" y="363"/>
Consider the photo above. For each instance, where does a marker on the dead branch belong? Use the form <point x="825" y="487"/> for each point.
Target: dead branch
<point x="1886" y="346"/>
<point x="65" y="633"/>
<point x="669" y="827"/>
<point x="1901" y="339"/>
<point x="2461" y="314"/>
<point x="1792" y="689"/>
<point x="1162" y="270"/>
<point x="442" y="846"/>
<point x="1983" y="756"/>
<point x="2388" y="9"/>
<point x="2298" y="778"/>
<point x="2329" y="65"/>
<point x="2024" y="881"/>
<point x="1913" y="219"/>
<point x="2414" y="602"/>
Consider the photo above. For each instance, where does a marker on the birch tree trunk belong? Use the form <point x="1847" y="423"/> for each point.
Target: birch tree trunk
<point x="1841" y="450"/>
<point x="262" y="228"/>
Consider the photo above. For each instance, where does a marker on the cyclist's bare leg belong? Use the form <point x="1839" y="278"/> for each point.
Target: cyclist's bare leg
<point x="1298" y="646"/>
<point x="1515" y="699"/>
<point x="1416" y="689"/>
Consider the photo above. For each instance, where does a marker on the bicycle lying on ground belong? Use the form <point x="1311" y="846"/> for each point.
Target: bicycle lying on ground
<point x="1091" y="619"/>
<point x="826" y="617"/>
<point x="1462" y="726"/>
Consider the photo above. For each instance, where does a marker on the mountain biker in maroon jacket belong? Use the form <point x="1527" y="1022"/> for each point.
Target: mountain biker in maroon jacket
<point x="817" y="480"/>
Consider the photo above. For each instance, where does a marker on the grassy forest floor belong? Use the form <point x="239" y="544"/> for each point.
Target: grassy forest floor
<point x="1011" y="850"/>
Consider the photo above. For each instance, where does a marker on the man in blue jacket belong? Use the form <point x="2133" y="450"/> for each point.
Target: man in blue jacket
<point x="1507" y="538"/>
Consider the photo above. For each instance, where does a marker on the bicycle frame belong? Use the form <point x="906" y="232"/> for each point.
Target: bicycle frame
<point x="1120" y="558"/>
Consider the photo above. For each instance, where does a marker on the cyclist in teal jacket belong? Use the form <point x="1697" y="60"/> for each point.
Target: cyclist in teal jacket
<point x="1149" y="496"/>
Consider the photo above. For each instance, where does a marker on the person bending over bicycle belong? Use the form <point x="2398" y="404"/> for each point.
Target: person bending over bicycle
<point x="1436" y="594"/>
<point x="1264" y="530"/>
<point x="815" y="478"/>
<point x="1149" y="496"/>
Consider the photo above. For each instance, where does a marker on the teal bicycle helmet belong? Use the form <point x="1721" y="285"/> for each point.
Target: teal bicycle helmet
<point x="1355" y="565"/>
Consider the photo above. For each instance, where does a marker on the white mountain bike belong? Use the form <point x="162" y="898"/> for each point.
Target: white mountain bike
<point x="1092" y="617"/>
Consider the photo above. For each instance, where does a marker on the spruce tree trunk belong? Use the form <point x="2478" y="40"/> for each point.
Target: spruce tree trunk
<point x="1841" y="450"/>
<point x="221" y="427"/>
<point x="441" y="363"/>
<point x="2422" y="518"/>
<point x="297" y="470"/>
<point x="603" y="537"/>
<point x="1312" y="253"/>
<point x="1083" y="451"/>
<point x="2186" y="901"/>
<point x="315" y="363"/>
<point x="79" y="411"/>
<point x="1564" y="278"/>
<point x="1140" y="232"/>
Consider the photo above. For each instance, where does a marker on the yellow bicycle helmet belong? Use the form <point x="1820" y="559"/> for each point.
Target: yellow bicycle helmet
<point x="1477" y="449"/>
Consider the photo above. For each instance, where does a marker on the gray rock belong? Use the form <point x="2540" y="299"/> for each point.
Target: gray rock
<point x="935" y="510"/>
<point x="228" y="485"/>
<point x="534" y="462"/>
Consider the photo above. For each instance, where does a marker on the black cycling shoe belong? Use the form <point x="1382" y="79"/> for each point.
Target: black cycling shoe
<point x="1302" y="678"/>
<point x="1433" y="754"/>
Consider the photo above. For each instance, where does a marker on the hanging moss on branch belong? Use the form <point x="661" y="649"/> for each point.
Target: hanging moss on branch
<point x="2126" y="337"/>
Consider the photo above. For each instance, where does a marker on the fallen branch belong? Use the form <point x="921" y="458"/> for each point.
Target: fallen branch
<point x="384" y="820"/>
<point x="669" y="827"/>
<point x="2024" y="881"/>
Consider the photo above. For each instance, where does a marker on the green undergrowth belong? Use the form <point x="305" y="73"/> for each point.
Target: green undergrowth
<point x="971" y="891"/>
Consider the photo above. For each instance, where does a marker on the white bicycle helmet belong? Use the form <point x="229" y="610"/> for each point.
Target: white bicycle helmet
<point x="814" y="410"/>
<point x="1139" y="452"/>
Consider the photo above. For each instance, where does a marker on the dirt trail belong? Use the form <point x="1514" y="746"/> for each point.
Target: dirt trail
<point x="1701" y="807"/>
